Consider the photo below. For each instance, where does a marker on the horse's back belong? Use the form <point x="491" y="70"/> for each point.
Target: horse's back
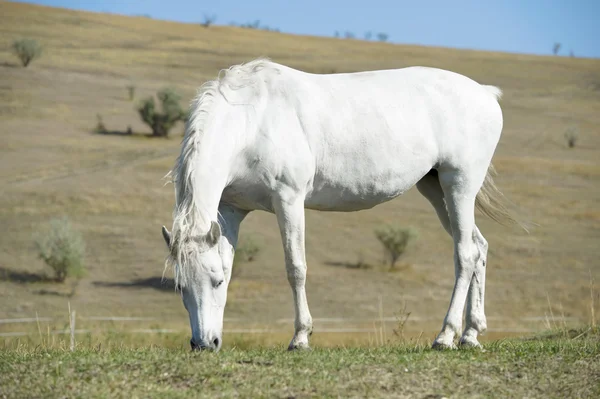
<point x="354" y="140"/>
<point x="374" y="135"/>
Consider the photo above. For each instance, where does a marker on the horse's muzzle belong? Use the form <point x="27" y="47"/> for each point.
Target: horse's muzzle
<point x="212" y="345"/>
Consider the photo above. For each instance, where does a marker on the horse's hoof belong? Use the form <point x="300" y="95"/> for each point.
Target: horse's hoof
<point x="469" y="343"/>
<point x="302" y="346"/>
<point x="440" y="346"/>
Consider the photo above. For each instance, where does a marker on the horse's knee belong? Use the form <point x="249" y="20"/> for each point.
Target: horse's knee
<point x="296" y="273"/>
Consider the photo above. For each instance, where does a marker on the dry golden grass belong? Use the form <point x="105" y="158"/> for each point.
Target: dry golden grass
<point x="111" y="186"/>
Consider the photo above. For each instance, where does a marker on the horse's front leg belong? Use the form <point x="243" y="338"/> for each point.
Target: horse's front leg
<point x="290" y="217"/>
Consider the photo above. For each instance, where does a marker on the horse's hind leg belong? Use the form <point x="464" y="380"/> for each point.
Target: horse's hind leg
<point x="475" y="316"/>
<point x="460" y="189"/>
<point x="429" y="187"/>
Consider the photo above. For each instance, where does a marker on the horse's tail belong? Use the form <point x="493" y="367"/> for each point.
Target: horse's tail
<point x="492" y="203"/>
<point x="494" y="91"/>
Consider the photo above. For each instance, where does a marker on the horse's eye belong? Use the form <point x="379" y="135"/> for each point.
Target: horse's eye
<point x="218" y="284"/>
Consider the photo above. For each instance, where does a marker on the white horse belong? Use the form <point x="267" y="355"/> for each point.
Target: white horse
<point x="263" y="136"/>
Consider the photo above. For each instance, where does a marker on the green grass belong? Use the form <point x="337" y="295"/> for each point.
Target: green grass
<point x="553" y="365"/>
<point x="112" y="188"/>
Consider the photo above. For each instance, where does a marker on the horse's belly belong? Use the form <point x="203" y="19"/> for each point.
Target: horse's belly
<point x="340" y="200"/>
<point x="357" y="192"/>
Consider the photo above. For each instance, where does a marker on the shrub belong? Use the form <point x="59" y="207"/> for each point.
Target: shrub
<point x="62" y="248"/>
<point x="161" y="123"/>
<point x="571" y="135"/>
<point x="382" y="37"/>
<point x="244" y="253"/>
<point x="208" y="20"/>
<point x="556" y="48"/>
<point x="394" y="241"/>
<point x="401" y="318"/>
<point x="100" y="127"/>
<point x="361" y="263"/>
<point x="26" y="50"/>
<point x="252" y="25"/>
<point x="131" y="91"/>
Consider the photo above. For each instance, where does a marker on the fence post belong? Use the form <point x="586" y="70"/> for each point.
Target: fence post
<point x="72" y="326"/>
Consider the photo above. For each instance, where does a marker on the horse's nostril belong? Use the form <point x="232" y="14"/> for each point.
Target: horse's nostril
<point x="205" y="346"/>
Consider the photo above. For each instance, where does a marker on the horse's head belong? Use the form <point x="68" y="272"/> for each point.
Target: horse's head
<point x="202" y="273"/>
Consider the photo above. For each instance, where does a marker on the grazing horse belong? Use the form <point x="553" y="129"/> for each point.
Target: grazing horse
<point x="264" y="136"/>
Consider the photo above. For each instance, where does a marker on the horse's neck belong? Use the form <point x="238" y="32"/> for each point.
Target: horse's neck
<point x="208" y="187"/>
<point x="200" y="183"/>
<point x="210" y="160"/>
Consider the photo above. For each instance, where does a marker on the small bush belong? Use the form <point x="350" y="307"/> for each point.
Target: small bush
<point x="100" y="127"/>
<point x="382" y="37"/>
<point x="394" y="241"/>
<point x="26" y="50"/>
<point x="172" y="112"/>
<point x="401" y="318"/>
<point x="247" y="251"/>
<point x="62" y="248"/>
<point x="244" y="253"/>
<point x="208" y="20"/>
<point x="556" y="48"/>
<point x="252" y="25"/>
<point x="571" y="135"/>
<point x="361" y="263"/>
<point x="131" y="91"/>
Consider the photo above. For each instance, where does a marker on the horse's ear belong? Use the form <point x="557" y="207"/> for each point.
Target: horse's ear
<point x="166" y="236"/>
<point x="213" y="234"/>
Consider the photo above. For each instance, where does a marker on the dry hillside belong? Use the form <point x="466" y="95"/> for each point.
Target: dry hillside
<point x="111" y="186"/>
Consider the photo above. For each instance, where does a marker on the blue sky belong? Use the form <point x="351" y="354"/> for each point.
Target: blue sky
<point x="520" y="26"/>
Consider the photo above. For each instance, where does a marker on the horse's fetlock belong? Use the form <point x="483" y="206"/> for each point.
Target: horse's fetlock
<point x="305" y="326"/>
<point x="478" y="323"/>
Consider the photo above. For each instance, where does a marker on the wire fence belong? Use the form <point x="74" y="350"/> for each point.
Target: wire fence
<point x="326" y="325"/>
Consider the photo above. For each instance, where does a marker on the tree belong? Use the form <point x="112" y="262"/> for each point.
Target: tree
<point x="382" y="37"/>
<point x="208" y="20"/>
<point x="556" y="48"/>
<point x="161" y="123"/>
<point x="26" y="50"/>
<point x="394" y="241"/>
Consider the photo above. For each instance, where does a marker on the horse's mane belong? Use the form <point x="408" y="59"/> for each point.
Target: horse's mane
<point x="190" y="218"/>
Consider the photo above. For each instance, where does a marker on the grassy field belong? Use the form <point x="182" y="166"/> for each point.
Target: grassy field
<point x="111" y="187"/>
<point x="561" y="365"/>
